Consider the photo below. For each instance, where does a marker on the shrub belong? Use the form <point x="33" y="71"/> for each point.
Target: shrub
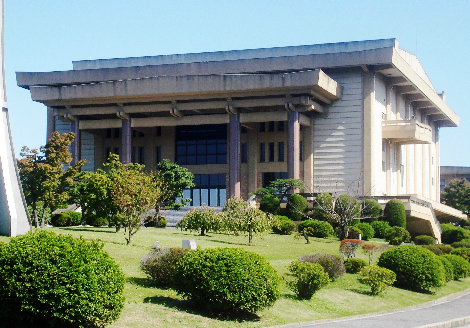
<point x="309" y="277"/>
<point x="227" y="280"/>
<point x="348" y="247"/>
<point x="62" y="219"/>
<point x="380" y="227"/>
<point x="269" y="204"/>
<point x="462" y="252"/>
<point x="460" y="266"/>
<point x="448" y="268"/>
<point x="377" y="278"/>
<point x="397" y="235"/>
<point x="424" y="240"/>
<point x="56" y="280"/>
<point x="96" y="221"/>
<point x="354" y="265"/>
<point x="75" y="218"/>
<point x="162" y="222"/>
<point x="296" y="207"/>
<point x="284" y="225"/>
<point x="395" y="213"/>
<point x="415" y="267"/>
<point x="439" y="249"/>
<point x="452" y="234"/>
<point x="371" y="210"/>
<point x="201" y="220"/>
<point x="332" y="265"/>
<point x="370" y="249"/>
<point x="366" y="229"/>
<point x="160" y="265"/>
<point x="461" y="244"/>
<point x="320" y="229"/>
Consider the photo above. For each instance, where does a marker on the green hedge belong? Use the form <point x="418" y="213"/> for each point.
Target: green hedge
<point x="284" y="225"/>
<point x="395" y="213"/>
<point x="309" y="277"/>
<point x="415" y="267"/>
<point x="333" y="265"/>
<point x="462" y="252"/>
<point x="321" y="229"/>
<point x="397" y="235"/>
<point x="448" y="267"/>
<point x="439" y="249"/>
<point x="452" y="234"/>
<point x="57" y="280"/>
<point x="269" y="204"/>
<point x="227" y="280"/>
<point x="367" y="230"/>
<point x="160" y="265"/>
<point x="380" y="227"/>
<point x="461" y="267"/>
<point x="377" y="278"/>
<point x="354" y="265"/>
<point x="424" y="240"/>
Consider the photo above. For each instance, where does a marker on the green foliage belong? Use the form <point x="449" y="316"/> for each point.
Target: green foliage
<point x="40" y="213"/>
<point x="319" y="229"/>
<point x="461" y="244"/>
<point x="161" y="223"/>
<point x="366" y="229"/>
<point x="227" y="280"/>
<point x="354" y="265"/>
<point x="347" y="209"/>
<point x="97" y="221"/>
<point x="352" y="232"/>
<point x="348" y="247"/>
<point x="415" y="267"/>
<point x="239" y="217"/>
<point x="397" y="235"/>
<point x="200" y="220"/>
<point x="283" y="225"/>
<point x="56" y="280"/>
<point x="323" y="205"/>
<point x="62" y="219"/>
<point x="270" y="204"/>
<point x="309" y="277"/>
<point x="439" y="249"/>
<point x="160" y="265"/>
<point x="332" y="265"/>
<point x="461" y="267"/>
<point x="462" y="252"/>
<point x="281" y="187"/>
<point x="424" y="240"/>
<point x="395" y="213"/>
<point x="296" y="207"/>
<point x="452" y="234"/>
<point x="448" y="267"/>
<point x="370" y="250"/>
<point x="371" y="210"/>
<point x="377" y="278"/>
<point x="170" y="180"/>
<point x="457" y="195"/>
<point x="380" y="227"/>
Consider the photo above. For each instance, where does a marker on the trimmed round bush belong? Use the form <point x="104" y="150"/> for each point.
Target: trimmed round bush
<point x="461" y="244"/>
<point x="462" y="252"/>
<point x="424" y="240"/>
<point x="448" y="267"/>
<point x="439" y="249"/>
<point x="380" y="227"/>
<point x="160" y="265"/>
<point x="97" y="221"/>
<point x="366" y="229"/>
<point x="416" y="267"/>
<point x="56" y="280"/>
<point x="75" y="218"/>
<point x="227" y="280"/>
<point x="269" y="204"/>
<point x="452" y="234"/>
<point x="353" y="233"/>
<point x="461" y="267"/>
<point x="395" y="213"/>
<point x="62" y="219"/>
<point x="397" y="235"/>
<point x="377" y="278"/>
<point x="371" y="210"/>
<point x="354" y="265"/>
<point x="320" y="229"/>
<point x="332" y="265"/>
<point x="296" y="207"/>
<point x="309" y="277"/>
<point x="284" y="225"/>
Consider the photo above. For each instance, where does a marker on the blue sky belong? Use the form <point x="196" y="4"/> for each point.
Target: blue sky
<point x="47" y="35"/>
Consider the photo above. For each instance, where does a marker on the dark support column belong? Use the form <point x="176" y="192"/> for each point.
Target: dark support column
<point x="75" y="146"/>
<point x="126" y="141"/>
<point x="234" y="160"/>
<point x="293" y="141"/>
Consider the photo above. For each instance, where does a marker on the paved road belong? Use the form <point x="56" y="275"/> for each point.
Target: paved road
<point x="447" y="312"/>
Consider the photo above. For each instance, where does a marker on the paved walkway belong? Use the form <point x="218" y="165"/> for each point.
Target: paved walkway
<point x="446" y="312"/>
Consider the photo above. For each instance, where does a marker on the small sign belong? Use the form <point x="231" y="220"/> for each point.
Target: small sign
<point x="190" y="243"/>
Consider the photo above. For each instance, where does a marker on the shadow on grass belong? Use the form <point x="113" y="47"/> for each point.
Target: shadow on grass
<point x="191" y="307"/>
<point x="142" y="282"/>
<point x="88" y="230"/>
<point x="361" y="291"/>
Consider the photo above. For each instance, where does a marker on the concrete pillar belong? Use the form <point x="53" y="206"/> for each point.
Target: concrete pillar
<point x="293" y="140"/>
<point x="253" y="157"/>
<point x="369" y="146"/>
<point x="126" y="141"/>
<point x="308" y="156"/>
<point x="234" y="158"/>
<point x="50" y="123"/>
<point x="76" y="144"/>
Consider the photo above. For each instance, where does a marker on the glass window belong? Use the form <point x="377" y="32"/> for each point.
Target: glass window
<point x="280" y="151"/>
<point x="262" y="152"/>
<point x="141" y="155"/>
<point x="244" y="154"/>
<point x="262" y="127"/>
<point x="158" y="154"/>
<point x="301" y="151"/>
<point x="280" y="126"/>
<point x="271" y="126"/>
<point x="209" y="190"/>
<point x="271" y="151"/>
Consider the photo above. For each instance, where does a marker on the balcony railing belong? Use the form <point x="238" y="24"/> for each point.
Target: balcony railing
<point x="407" y="132"/>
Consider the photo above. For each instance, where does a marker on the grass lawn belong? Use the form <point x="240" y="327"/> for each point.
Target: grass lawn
<point x="147" y="306"/>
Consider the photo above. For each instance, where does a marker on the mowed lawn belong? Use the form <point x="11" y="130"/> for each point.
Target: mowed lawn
<point x="147" y="306"/>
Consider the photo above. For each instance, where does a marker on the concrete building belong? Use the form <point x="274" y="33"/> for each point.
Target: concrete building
<point x="449" y="173"/>
<point x="359" y="117"/>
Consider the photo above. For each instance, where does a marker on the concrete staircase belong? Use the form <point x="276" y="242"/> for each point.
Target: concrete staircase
<point x="173" y="217"/>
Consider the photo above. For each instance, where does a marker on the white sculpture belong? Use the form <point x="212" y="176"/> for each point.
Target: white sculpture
<point x="13" y="214"/>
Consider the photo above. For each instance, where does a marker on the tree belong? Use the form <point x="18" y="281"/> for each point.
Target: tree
<point x="395" y="213"/>
<point x="200" y="220"/>
<point x="170" y="180"/>
<point x="133" y="193"/>
<point x="457" y="195"/>
<point x="43" y="176"/>
<point x="281" y="187"/>
<point x="239" y="216"/>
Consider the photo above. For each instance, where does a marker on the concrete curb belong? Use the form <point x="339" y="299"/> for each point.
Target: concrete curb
<point x="449" y="324"/>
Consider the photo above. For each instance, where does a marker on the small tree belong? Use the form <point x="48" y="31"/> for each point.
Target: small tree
<point x="281" y="187"/>
<point x="348" y="247"/>
<point x="395" y="213"/>
<point x="296" y="207"/>
<point x="239" y="216"/>
<point x="370" y="250"/>
<point x="457" y="195"/>
<point x="200" y="220"/>
<point x="371" y="210"/>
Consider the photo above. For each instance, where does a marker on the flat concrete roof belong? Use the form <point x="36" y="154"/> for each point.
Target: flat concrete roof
<point x="455" y="170"/>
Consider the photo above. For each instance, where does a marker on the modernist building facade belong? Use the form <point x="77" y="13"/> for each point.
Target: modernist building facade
<point x="359" y="117"/>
